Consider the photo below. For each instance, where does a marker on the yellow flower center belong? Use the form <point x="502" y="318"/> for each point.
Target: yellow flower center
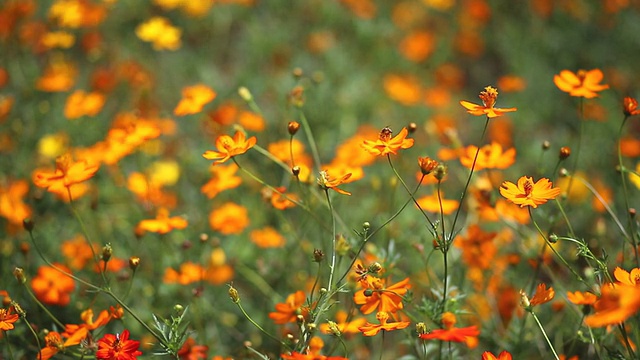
<point x="581" y="74"/>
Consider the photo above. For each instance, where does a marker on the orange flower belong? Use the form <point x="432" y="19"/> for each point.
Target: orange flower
<point x="489" y="157"/>
<point x="267" y="238"/>
<point x="582" y="298"/>
<point x="327" y="182"/>
<point x="630" y="106"/>
<point x="343" y="324"/>
<point x="504" y="355"/>
<point x="581" y="84"/>
<point x="478" y="249"/>
<point x="278" y="197"/>
<point x="615" y="305"/>
<point x="78" y="252"/>
<point x="451" y="333"/>
<point x="229" y="147"/>
<point x="528" y="193"/>
<point x="418" y="45"/>
<point x="287" y="311"/>
<point x="222" y="178"/>
<point x="80" y="103"/>
<point x="251" y="121"/>
<point x="404" y="89"/>
<point x="149" y="191"/>
<point x="58" y="76"/>
<point x="66" y="174"/>
<point x="7" y="319"/>
<point x="76" y="333"/>
<point x="386" y="145"/>
<point x="12" y="206"/>
<point x="427" y="165"/>
<point x="229" y="218"/>
<point x="193" y="99"/>
<point x="118" y="347"/>
<point x="218" y="271"/>
<point x="431" y="203"/>
<point x="488" y="97"/>
<point x="372" y="329"/>
<point x="627" y="278"/>
<point x="53" y="344"/>
<point x="376" y="296"/>
<point x="162" y="224"/>
<point x="52" y="287"/>
<point x="542" y="295"/>
<point x="191" y="351"/>
<point x="189" y="273"/>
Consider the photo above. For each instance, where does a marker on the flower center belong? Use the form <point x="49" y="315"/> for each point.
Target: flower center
<point x="489" y="96"/>
<point x="385" y="134"/>
<point x="528" y="187"/>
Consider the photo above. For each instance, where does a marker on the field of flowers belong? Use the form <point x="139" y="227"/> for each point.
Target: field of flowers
<point x="320" y="179"/>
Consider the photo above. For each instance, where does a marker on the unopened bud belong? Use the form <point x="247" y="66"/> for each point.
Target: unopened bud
<point x="318" y="255"/>
<point x="178" y="309"/>
<point x="366" y="226"/>
<point x="412" y="127"/>
<point x="233" y="294"/>
<point x="297" y="72"/>
<point x="563" y="172"/>
<point x="204" y="237"/>
<point x="334" y="329"/>
<point x="565" y="152"/>
<point x="546" y="145"/>
<point x="134" y="262"/>
<point x="524" y="300"/>
<point x="107" y="251"/>
<point x="553" y="238"/>
<point x="19" y="274"/>
<point x="24" y="248"/>
<point x="245" y="94"/>
<point x="440" y="172"/>
<point x="421" y="328"/>
<point x="28" y="224"/>
<point x="375" y="268"/>
<point x="632" y="212"/>
<point x="300" y="319"/>
<point x="368" y="292"/>
<point x="293" y="127"/>
<point x="295" y="170"/>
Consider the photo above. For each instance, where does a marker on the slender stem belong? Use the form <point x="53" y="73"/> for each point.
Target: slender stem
<point x="466" y="186"/>
<point x="445" y="250"/>
<point x="565" y="217"/>
<point x="258" y="325"/>
<point x="411" y="193"/>
<point x="369" y="235"/>
<point x="35" y="335"/>
<point x="6" y="336"/>
<point x="333" y="241"/>
<point x="44" y="308"/>
<point x="562" y="259"/>
<point x="535" y="317"/>
<point x="625" y="193"/>
<point x="625" y="336"/>
<point x="606" y="206"/>
<point x="579" y="147"/>
<point x="311" y="139"/>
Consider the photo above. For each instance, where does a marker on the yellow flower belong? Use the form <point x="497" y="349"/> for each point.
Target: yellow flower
<point x="488" y="97"/>
<point x="160" y="33"/>
<point x="528" y="193"/>
<point x="229" y="147"/>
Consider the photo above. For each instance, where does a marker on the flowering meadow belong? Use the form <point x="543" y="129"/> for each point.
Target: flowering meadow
<point x="319" y="179"/>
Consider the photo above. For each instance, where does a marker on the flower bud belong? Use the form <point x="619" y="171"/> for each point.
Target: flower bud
<point x="366" y="226"/>
<point x="421" y="328"/>
<point x="19" y="274"/>
<point x="107" y="251"/>
<point x="565" y="152"/>
<point x="368" y="292"/>
<point x="334" y="329"/>
<point x="245" y="94"/>
<point x="295" y="170"/>
<point x="178" y="309"/>
<point x="233" y="294"/>
<point x="28" y="224"/>
<point x="318" y="255"/>
<point x="134" y="262"/>
<point x="24" y="248"/>
<point x="412" y="127"/>
<point x="375" y="268"/>
<point x="553" y="238"/>
<point x="293" y="127"/>
<point x="297" y="72"/>
<point x="204" y="237"/>
<point x="546" y="145"/>
<point x="629" y="106"/>
<point x="440" y="172"/>
<point x="632" y="212"/>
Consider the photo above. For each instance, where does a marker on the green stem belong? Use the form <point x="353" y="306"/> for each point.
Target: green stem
<point x="625" y="193"/>
<point x="41" y="306"/>
<point x="535" y="317"/>
<point x="411" y="194"/>
<point x="6" y="337"/>
<point x="580" y="136"/>
<point x="258" y="325"/>
<point x="562" y="259"/>
<point x="311" y="139"/>
<point x="466" y="186"/>
<point x="333" y="241"/>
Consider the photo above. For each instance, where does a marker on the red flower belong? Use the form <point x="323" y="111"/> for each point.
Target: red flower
<point x="451" y="333"/>
<point x="118" y="347"/>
